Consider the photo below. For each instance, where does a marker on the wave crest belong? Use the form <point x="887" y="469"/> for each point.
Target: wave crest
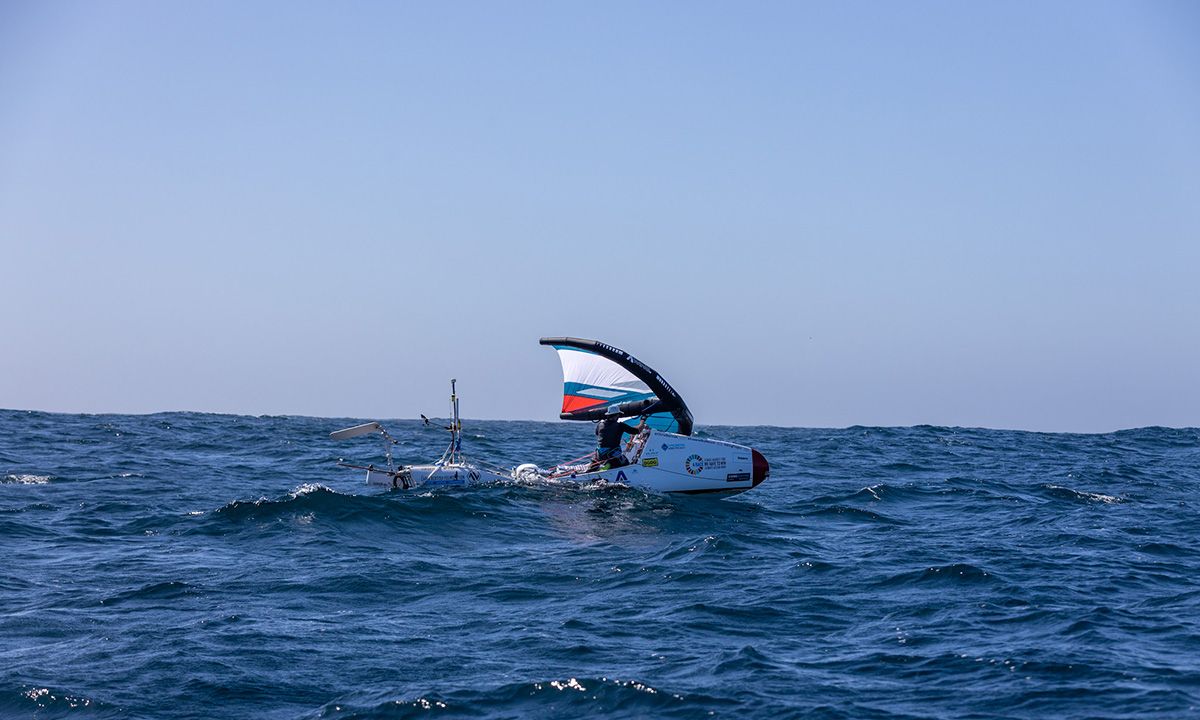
<point x="26" y="479"/>
<point x="953" y="574"/>
<point x="556" y="697"/>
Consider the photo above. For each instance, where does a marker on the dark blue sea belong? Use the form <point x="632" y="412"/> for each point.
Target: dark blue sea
<point x="187" y="565"/>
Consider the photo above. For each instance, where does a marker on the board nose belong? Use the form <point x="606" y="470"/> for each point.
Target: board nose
<point x="761" y="467"/>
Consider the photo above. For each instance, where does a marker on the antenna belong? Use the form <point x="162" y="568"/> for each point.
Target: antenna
<point x="455" y="424"/>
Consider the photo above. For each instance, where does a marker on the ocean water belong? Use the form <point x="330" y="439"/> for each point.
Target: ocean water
<point x="188" y="565"/>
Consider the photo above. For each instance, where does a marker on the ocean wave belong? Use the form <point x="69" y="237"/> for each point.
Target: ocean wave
<point x="554" y="698"/>
<point x="26" y="479"/>
<point x="162" y="591"/>
<point x="742" y="613"/>
<point x="746" y="659"/>
<point x="42" y="701"/>
<point x="906" y="467"/>
<point x="953" y="574"/>
<point x="1060" y="492"/>
<point x="21" y="528"/>
<point x="309" y="497"/>
<point x="852" y="514"/>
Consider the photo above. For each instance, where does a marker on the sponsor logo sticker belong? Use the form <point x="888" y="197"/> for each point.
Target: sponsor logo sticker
<point x="621" y="477"/>
<point x="694" y="464"/>
<point x="717" y="463"/>
<point x="650" y="462"/>
<point x="672" y="446"/>
<point x="737" y="477"/>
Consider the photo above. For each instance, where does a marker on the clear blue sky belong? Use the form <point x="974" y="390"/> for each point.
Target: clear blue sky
<point x="813" y="214"/>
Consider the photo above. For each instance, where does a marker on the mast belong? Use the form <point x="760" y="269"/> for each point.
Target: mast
<point x="455" y="424"/>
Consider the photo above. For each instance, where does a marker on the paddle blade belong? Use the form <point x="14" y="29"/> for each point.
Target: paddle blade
<point x="355" y="431"/>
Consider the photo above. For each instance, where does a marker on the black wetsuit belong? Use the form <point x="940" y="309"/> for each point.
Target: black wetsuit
<point x="608" y="440"/>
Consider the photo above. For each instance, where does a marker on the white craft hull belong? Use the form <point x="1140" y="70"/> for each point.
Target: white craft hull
<point x="431" y="476"/>
<point x="660" y="462"/>
<point x="679" y="464"/>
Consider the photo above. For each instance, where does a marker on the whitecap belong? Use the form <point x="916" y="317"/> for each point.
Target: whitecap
<point x="1084" y="495"/>
<point x="22" y="479"/>
<point x="308" y="488"/>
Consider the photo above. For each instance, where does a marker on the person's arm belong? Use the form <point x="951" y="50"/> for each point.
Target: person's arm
<point x="630" y="428"/>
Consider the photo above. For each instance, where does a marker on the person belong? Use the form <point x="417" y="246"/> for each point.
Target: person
<point x="608" y="442"/>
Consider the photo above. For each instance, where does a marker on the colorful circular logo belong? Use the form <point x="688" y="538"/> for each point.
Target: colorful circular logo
<point x="694" y="464"/>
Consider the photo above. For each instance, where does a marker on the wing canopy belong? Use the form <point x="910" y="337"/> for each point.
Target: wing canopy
<point x="601" y="380"/>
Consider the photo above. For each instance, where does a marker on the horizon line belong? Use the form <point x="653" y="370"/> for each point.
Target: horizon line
<point x="698" y="424"/>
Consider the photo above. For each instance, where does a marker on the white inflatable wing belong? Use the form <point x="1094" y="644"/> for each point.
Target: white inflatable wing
<point x="600" y="380"/>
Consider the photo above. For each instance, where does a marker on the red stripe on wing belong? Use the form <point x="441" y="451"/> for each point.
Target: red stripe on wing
<point x="571" y="403"/>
